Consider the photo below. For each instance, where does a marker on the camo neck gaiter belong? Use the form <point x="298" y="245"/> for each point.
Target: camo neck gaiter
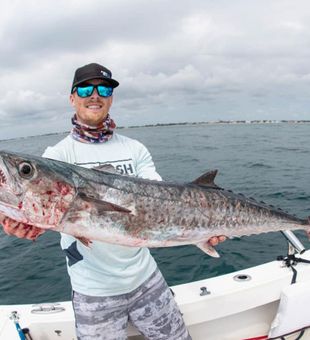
<point x="92" y="134"/>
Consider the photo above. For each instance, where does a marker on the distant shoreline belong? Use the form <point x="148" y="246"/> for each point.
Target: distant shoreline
<point x="265" y="121"/>
<point x="215" y="122"/>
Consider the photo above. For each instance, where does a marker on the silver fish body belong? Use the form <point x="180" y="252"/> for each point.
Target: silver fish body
<point x="106" y="206"/>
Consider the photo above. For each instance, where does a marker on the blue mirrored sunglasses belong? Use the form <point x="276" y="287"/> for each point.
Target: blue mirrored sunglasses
<point x="87" y="90"/>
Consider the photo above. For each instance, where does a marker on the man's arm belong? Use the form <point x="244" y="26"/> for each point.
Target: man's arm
<point x="144" y="164"/>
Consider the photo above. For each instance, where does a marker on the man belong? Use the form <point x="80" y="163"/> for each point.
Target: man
<point x="111" y="284"/>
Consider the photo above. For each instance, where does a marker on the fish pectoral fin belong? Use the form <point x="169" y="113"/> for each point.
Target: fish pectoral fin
<point x="206" y="248"/>
<point x="207" y="180"/>
<point x="103" y="206"/>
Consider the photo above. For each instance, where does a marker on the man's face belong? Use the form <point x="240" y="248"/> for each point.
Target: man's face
<point x="91" y="110"/>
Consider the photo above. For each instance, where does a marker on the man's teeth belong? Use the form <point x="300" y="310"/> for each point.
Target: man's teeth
<point x="94" y="106"/>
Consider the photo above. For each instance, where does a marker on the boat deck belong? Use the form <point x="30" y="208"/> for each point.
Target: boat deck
<point x="238" y="305"/>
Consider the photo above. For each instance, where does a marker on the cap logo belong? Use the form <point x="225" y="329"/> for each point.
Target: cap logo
<point x="105" y="74"/>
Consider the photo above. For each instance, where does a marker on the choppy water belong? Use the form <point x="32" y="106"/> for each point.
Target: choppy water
<point x="268" y="162"/>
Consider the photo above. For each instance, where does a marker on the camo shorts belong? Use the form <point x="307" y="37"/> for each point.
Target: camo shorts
<point x="150" y="308"/>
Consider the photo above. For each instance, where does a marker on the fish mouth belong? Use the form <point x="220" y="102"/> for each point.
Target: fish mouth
<point x="3" y="179"/>
<point x="8" y="183"/>
<point x="12" y="211"/>
<point x="10" y="192"/>
<point x="4" y="174"/>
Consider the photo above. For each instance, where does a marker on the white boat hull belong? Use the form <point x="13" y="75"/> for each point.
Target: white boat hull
<point x="233" y="310"/>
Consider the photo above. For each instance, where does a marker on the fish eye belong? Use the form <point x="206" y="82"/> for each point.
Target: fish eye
<point x="25" y="170"/>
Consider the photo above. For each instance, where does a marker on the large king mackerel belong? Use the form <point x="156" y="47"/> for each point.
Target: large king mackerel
<point x="106" y="206"/>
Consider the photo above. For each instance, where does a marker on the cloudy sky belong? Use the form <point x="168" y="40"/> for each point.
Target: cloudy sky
<point x="176" y="61"/>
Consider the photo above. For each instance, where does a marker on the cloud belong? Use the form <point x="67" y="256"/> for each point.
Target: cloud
<point x="216" y="59"/>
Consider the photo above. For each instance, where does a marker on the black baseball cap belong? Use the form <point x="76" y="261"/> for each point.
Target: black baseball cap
<point x="93" y="71"/>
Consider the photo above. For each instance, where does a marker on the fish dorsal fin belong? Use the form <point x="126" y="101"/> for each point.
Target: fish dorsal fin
<point x="207" y="179"/>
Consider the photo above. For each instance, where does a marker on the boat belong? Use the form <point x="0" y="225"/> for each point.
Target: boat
<point x="243" y="305"/>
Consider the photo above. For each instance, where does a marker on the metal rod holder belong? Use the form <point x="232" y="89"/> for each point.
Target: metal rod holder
<point x="294" y="245"/>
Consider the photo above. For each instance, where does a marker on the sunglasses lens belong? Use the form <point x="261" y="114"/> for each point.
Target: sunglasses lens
<point x="104" y="91"/>
<point x="85" y="91"/>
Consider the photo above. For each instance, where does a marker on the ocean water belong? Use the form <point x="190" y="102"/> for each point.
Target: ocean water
<point x="270" y="162"/>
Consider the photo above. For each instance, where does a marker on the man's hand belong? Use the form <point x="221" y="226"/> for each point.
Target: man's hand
<point x="215" y="240"/>
<point x="20" y="230"/>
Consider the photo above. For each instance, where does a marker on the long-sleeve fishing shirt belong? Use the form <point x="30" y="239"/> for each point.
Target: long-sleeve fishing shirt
<point x="105" y="269"/>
